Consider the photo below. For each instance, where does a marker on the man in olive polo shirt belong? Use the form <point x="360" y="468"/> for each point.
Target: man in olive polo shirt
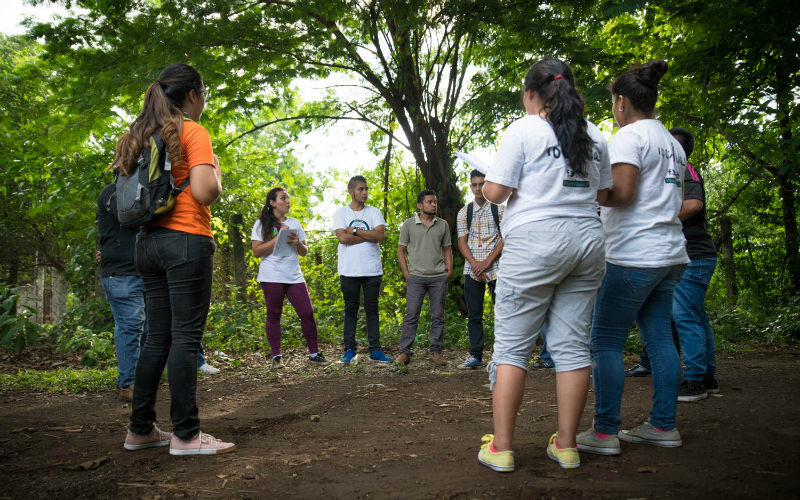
<point x="425" y="242"/>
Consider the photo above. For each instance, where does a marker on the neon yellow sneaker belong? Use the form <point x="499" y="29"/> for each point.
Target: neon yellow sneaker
<point x="500" y="461"/>
<point x="567" y="458"/>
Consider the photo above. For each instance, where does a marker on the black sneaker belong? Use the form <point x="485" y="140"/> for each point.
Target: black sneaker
<point x="319" y="359"/>
<point x="711" y="385"/>
<point x="544" y="365"/>
<point x="277" y="361"/>
<point x="692" y="390"/>
<point x="638" y="371"/>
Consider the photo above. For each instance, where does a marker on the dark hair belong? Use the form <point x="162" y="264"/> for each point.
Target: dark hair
<point x="425" y="192"/>
<point x="685" y="138"/>
<point x="161" y="110"/>
<point x="552" y="79"/>
<point x="476" y="173"/>
<point x="267" y="217"/>
<point x="355" y="180"/>
<point x="639" y="83"/>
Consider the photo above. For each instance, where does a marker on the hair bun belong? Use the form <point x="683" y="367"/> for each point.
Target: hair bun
<point x="650" y="73"/>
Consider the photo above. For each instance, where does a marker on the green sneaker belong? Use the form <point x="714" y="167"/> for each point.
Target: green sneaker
<point x="500" y="461"/>
<point x="590" y="443"/>
<point x="648" y="434"/>
<point x="567" y="458"/>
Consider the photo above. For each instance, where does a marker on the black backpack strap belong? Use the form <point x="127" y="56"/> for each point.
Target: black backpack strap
<point x="469" y="216"/>
<point x="496" y="216"/>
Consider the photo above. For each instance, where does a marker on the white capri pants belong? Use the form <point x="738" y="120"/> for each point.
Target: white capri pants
<point x="550" y="272"/>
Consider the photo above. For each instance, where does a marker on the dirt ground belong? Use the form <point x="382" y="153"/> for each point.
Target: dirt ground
<point x="382" y="434"/>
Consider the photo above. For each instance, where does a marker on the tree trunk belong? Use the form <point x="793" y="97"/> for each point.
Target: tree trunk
<point x="239" y="267"/>
<point x="786" y="188"/>
<point x="386" y="163"/>
<point x="729" y="267"/>
<point x="13" y="280"/>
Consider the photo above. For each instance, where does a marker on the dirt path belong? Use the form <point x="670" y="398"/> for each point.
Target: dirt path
<point x="386" y="435"/>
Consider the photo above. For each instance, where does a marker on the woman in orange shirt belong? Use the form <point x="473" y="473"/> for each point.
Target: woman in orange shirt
<point x="175" y="257"/>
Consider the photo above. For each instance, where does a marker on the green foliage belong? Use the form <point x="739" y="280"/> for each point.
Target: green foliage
<point x="66" y="380"/>
<point x="16" y="330"/>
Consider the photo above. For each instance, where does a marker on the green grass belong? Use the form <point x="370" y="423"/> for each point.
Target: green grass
<point x="68" y="380"/>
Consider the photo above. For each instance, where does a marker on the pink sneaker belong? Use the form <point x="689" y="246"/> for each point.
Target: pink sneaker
<point x="201" y="444"/>
<point x="156" y="438"/>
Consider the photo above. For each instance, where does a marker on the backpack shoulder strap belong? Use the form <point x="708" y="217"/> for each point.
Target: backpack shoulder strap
<point x="496" y="216"/>
<point x="469" y="215"/>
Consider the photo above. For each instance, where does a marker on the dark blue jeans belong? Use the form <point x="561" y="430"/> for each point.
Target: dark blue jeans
<point x="474" y="293"/>
<point x="544" y="354"/>
<point x="351" y="292"/>
<point x="643" y="295"/>
<point x="691" y="320"/>
<point x="176" y="271"/>
<point x="125" y="294"/>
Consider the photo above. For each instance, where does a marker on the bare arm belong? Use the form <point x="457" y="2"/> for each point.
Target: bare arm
<point x="205" y="182"/>
<point x="346" y="236"/>
<point x="689" y="208"/>
<point x="263" y="248"/>
<point x="496" y="193"/>
<point x="402" y="253"/>
<point x="301" y="246"/>
<point x="602" y="196"/>
<point x="463" y="246"/>
<point x="448" y="260"/>
<point x="626" y="179"/>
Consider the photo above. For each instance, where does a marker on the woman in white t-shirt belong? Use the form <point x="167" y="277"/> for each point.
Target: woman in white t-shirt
<point x="280" y="275"/>
<point x="552" y="167"/>
<point x="645" y="258"/>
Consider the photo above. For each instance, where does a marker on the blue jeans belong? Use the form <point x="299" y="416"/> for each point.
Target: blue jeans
<point x="643" y="295"/>
<point x="474" y="293"/>
<point x="176" y="270"/>
<point x="201" y="359"/>
<point x="544" y="354"/>
<point x="691" y="320"/>
<point x="126" y="296"/>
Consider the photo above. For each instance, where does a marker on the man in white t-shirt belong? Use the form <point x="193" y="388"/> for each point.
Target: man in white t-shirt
<point x="359" y="229"/>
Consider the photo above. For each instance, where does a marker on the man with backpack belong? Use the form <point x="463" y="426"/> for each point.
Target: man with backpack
<point x="123" y="287"/>
<point x="481" y="244"/>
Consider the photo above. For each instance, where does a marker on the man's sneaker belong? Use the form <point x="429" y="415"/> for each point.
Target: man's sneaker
<point x="379" y="357"/>
<point x="544" y="365"/>
<point x="692" y="390"/>
<point x="402" y="359"/>
<point x="126" y="393"/>
<point x="500" y="461"/>
<point x="349" y="356"/>
<point x="277" y="361"/>
<point x="155" y="438"/>
<point x="208" y="369"/>
<point x="648" y="434"/>
<point x="567" y="458"/>
<point x="201" y="444"/>
<point x="589" y="442"/>
<point x="638" y="371"/>
<point x="471" y="363"/>
<point x="711" y="385"/>
<point x="437" y="359"/>
<point x="319" y="359"/>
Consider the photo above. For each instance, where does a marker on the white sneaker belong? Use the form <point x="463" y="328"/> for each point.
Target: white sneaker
<point x="208" y="369"/>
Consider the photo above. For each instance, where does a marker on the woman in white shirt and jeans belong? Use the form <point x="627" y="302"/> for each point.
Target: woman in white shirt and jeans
<point x="645" y="258"/>
<point x="552" y="166"/>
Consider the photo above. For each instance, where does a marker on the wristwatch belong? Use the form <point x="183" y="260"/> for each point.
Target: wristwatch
<point x="355" y="229"/>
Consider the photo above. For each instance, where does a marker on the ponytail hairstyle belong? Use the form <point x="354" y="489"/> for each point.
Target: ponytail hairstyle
<point x="552" y="80"/>
<point x="161" y="111"/>
<point x="639" y="84"/>
<point x="267" y="217"/>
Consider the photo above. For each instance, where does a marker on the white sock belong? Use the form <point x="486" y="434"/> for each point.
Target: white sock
<point x="313" y="355"/>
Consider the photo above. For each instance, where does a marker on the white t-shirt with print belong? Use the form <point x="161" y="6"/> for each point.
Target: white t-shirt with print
<point x="530" y="160"/>
<point x="280" y="269"/>
<point x="360" y="259"/>
<point x="647" y="232"/>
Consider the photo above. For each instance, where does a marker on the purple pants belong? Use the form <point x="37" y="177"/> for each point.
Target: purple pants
<point x="300" y="300"/>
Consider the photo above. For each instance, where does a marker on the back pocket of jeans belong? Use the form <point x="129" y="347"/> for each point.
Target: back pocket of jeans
<point x="638" y="278"/>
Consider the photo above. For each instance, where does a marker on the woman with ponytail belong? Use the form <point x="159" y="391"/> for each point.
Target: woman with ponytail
<point x="280" y="276"/>
<point x="645" y="258"/>
<point x="174" y="257"/>
<point x="552" y="167"/>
